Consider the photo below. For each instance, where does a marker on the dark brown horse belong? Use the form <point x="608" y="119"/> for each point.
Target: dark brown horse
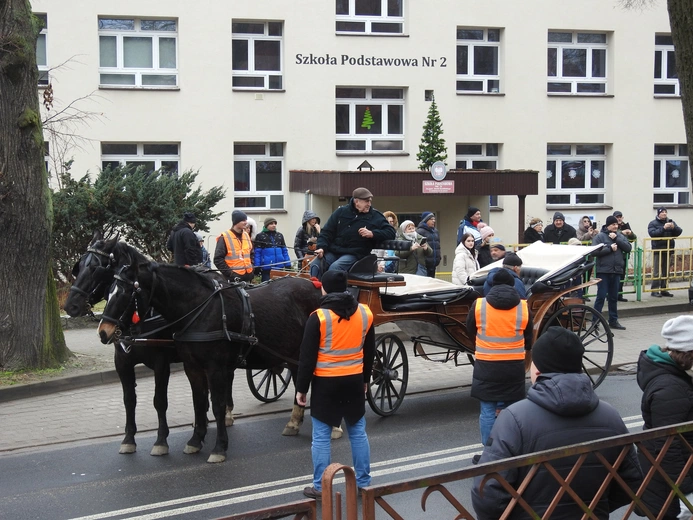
<point x="212" y="330"/>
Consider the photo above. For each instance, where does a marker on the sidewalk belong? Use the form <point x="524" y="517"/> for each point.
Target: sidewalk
<point x="88" y="407"/>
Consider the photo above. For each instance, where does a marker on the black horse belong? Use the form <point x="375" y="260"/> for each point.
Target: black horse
<point x="216" y="325"/>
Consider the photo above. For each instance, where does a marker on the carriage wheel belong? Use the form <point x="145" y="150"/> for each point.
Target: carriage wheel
<point x="268" y="385"/>
<point x="596" y="336"/>
<point x="390" y="374"/>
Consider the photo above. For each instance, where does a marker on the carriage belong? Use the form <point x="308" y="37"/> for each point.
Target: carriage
<point x="432" y="313"/>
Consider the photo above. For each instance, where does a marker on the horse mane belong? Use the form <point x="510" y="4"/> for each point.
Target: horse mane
<point x="196" y="277"/>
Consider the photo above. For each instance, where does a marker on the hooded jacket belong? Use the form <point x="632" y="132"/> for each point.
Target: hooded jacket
<point x="560" y="409"/>
<point x="184" y="244"/>
<point x="499" y="380"/>
<point x="270" y="251"/>
<point x="304" y="236"/>
<point x="464" y="265"/>
<point x="556" y="235"/>
<point x="667" y="399"/>
<point x="433" y="238"/>
<point x="609" y="261"/>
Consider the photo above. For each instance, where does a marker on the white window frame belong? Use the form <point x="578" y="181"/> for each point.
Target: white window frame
<point x="140" y="73"/>
<point x="274" y="199"/>
<point x="595" y="166"/>
<point x="489" y="152"/>
<point x="665" y="166"/>
<point x="577" y="84"/>
<point x="44" y="78"/>
<point x="369" y="23"/>
<point x="663" y="81"/>
<point x="374" y="143"/>
<point x="489" y="83"/>
<point x="269" y="77"/>
<point x="140" y="155"/>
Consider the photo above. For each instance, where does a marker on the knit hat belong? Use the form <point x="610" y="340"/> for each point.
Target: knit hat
<point x="269" y="220"/>
<point x="611" y="220"/>
<point x="535" y="222"/>
<point x="362" y="193"/>
<point x="503" y="277"/>
<point x="574" y="242"/>
<point x="618" y="214"/>
<point x="498" y="245"/>
<point x="334" y="281"/>
<point x="238" y="216"/>
<point x="558" y="350"/>
<point x="471" y="211"/>
<point x="659" y="210"/>
<point x="512" y="260"/>
<point x="189" y="217"/>
<point x="558" y="216"/>
<point x="426" y="216"/>
<point x="486" y="232"/>
<point x="678" y="333"/>
<point x="403" y="226"/>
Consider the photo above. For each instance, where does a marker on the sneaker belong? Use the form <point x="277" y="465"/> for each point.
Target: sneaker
<point x="616" y="325"/>
<point x="656" y="295"/>
<point x="622" y="299"/>
<point x="313" y="493"/>
<point x="667" y="293"/>
<point x="475" y="458"/>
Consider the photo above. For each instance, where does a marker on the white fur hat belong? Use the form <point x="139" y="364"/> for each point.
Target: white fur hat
<point x="678" y="333"/>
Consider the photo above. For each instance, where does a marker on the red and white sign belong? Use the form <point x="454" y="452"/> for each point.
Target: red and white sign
<point x="438" y="187"/>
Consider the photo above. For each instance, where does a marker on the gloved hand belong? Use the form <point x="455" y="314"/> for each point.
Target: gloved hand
<point x="685" y="513"/>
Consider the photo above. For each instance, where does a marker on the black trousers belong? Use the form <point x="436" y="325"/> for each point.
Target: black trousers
<point x="660" y="269"/>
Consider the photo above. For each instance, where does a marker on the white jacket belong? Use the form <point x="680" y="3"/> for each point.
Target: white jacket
<point x="465" y="265"/>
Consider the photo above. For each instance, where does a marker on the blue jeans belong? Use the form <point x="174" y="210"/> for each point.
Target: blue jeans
<point x="487" y="416"/>
<point x="608" y="286"/>
<point x="360" y="451"/>
<point x="331" y="262"/>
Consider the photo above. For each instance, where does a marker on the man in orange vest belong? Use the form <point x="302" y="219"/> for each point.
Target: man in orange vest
<point x="501" y="327"/>
<point x="336" y="361"/>
<point x="232" y="255"/>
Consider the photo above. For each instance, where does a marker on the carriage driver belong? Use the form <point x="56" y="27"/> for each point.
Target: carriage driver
<point x="233" y="253"/>
<point x="336" y="361"/>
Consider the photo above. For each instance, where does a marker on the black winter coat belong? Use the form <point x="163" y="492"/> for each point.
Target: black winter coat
<point x="340" y="235"/>
<point x="609" y="261"/>
<point x="667" y="399"/>
<point x="532" y="235"/>
<point x="560" y="409"/>
<point x="485" y="257"/>
<point x="555" y="235"/>
<point x="433" y="239"/>
<point x="656" y="230"/>
<point x="183" y="242"/>
<point x="499" y="380"/>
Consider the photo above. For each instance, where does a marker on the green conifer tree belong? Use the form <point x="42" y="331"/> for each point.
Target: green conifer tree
<point x="432" y="148"/>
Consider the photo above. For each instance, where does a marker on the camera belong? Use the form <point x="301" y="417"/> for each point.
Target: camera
<point x="594" y="225"/>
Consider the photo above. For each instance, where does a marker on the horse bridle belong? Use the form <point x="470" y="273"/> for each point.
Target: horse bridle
<point x="134" y="296"/>
<point x="104" y="275"/>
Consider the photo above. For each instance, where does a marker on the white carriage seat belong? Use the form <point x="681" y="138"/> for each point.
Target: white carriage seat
<point x="421" y="292"/>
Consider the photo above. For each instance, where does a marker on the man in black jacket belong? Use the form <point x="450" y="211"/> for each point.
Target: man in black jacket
<point x="350" y="234"/>
<point x="561" y="409"/>
<point x="624" y="227"/>
<point x="559" y="231"/>
<point x="183" y="242"/>
<point x="665" y="228"/>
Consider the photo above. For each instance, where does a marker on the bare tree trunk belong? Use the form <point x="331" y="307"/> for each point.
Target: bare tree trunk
<point x="681" y="22"/>
<point x="30" y="332"/>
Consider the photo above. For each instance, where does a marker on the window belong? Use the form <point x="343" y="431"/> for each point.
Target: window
<point x="478" y="157"/>
<point x="370" y="120"/>
<point x="138" y="53"/>
<point x="477" y="60"/>
<point x="575" y="173"/>
<point x="41" y="60"/>
<point x="257" y="55"/>
<point x="666" y="81"/>
<point x="258" y="175"/>
<point x="370" y="16"/>
<point x="577" y="63"/>
<point x="671" y="174"/>
<point x="150" y="156"/>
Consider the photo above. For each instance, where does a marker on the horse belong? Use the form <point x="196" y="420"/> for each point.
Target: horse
<point x="216" y="325"/>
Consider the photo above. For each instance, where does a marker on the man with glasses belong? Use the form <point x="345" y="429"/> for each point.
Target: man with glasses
<point x="350" y="234"/>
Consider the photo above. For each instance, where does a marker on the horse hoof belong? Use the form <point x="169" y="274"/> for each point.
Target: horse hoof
<point x="336" y="433"/>
<point x="159" y="450"/>
<point x="189" y="450"/>
<point x="290" y="431"/>
<point x="126" y="449"/>
<point x="215" y="458"/>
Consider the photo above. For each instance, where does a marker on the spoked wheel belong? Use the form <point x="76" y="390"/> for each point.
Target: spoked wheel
<point x="390" y="374"/>
<point x="596" y="336"/>
<point x="268" y="385"/>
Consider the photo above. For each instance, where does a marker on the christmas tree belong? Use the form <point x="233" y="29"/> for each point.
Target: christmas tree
<point x="432" y="148"/>
<point x="367" y="119"/>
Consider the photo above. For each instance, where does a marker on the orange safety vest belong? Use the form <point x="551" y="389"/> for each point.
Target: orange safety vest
<point x="238" y="256"/>
<point x="341" y="342"/>
<point x="500" y="333"/>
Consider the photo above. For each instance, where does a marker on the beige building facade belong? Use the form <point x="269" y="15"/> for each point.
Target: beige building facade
<point x="246" y="91"/>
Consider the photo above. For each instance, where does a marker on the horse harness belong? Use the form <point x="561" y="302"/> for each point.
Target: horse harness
<point x="101" y="273"/>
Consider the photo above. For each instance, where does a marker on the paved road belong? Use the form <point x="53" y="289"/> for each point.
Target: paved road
<point x="72" y="414"/>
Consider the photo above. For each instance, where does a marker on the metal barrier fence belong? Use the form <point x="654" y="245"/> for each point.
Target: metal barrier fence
<point x="374" y="498"/>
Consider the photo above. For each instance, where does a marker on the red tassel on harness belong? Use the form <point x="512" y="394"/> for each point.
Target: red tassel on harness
<point x="135" y="318"/>
<point x="317" y="283"/>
